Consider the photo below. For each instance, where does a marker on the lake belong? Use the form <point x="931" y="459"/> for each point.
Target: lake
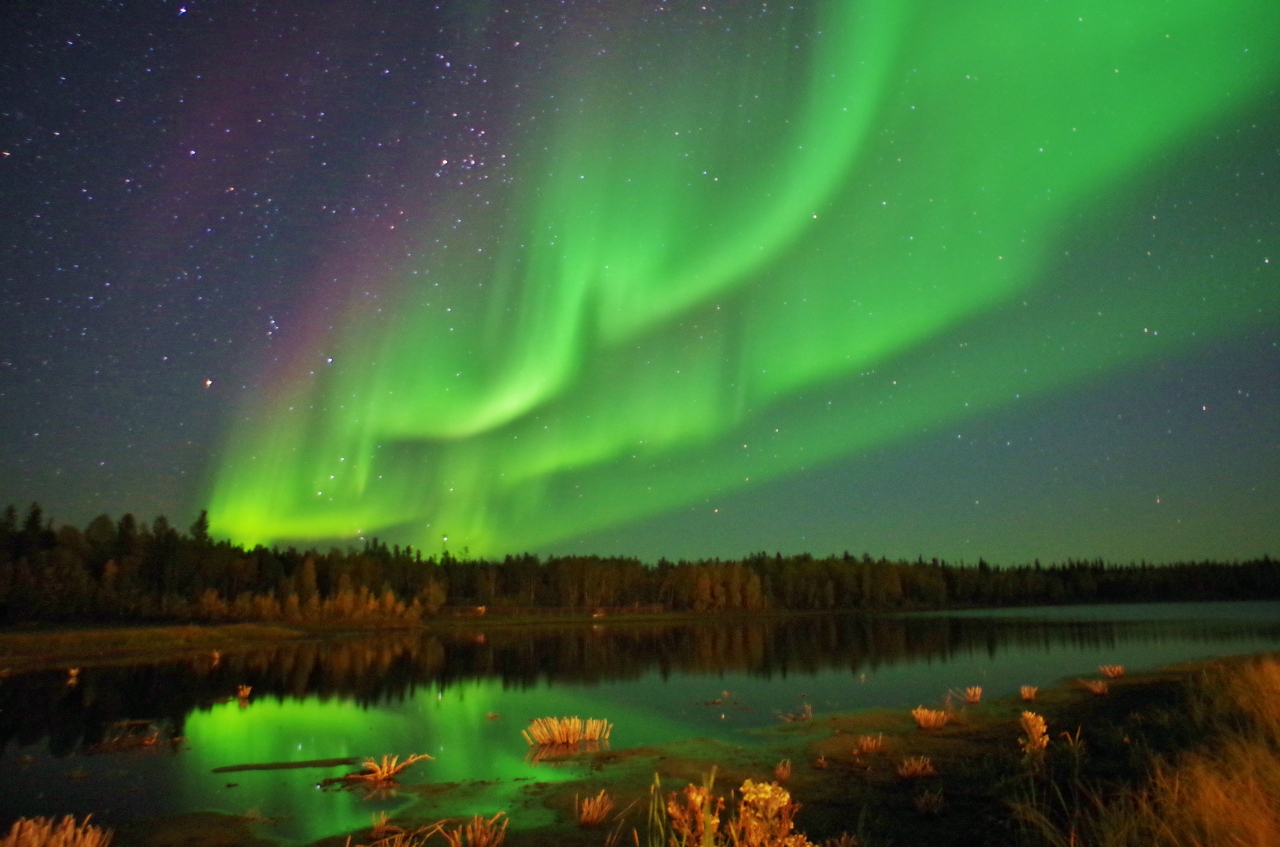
<point x="464" y="696"/>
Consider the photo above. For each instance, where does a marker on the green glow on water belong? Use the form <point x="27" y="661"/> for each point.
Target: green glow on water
<point x="452" y="725"/>
<point x="757" y="258"/>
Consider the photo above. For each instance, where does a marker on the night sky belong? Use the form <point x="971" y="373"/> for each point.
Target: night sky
<point x="665" y="278"/>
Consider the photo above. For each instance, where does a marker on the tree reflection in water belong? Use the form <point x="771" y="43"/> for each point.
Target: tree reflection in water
<point x="389" y="667"/>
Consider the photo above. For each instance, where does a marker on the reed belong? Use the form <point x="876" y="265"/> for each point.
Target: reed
<point x="915" y="767"/>
<point x="1095" y="686"/>
<point x="930" y="718"/>
<point x="1028" y="692"/>
<point x="1253" y="690"/>
<point x="1228" y="797"/>
<point x="477" y="832"/>
<point x="50" y="832"/>
<point x="869" y="744"/>
<point x="593" y="811"/>
<point x="1073" y="743"/>
<point x="559" y="732"/>
<point x="1035" y="737"/>
<point x="782" y="770"/>
<point x="973" y="695"/>
<point x="1225" y="793"/>
<point x="1111" y="671"/>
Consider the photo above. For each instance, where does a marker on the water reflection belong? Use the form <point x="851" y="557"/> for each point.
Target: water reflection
<point x="464" y="696"/>
<point x="389" y="668"/>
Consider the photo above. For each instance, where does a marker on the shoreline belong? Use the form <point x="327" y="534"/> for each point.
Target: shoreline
<point x="56" y="646"/>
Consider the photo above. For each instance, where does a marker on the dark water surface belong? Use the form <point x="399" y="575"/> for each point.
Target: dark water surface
<point x="464" y="698"/>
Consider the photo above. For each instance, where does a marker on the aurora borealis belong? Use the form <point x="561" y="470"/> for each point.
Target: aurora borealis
<point x="693" y="279"/>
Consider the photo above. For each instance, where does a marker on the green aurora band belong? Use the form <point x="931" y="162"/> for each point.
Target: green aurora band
<point x="800" y="236"/>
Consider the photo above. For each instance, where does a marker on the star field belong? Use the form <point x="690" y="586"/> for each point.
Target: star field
<point x="682" y="279"/>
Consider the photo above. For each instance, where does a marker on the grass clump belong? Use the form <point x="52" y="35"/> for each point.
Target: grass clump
<point x="1095" y="686"/>
<point x="929" y="718"/>
<point x="593" y="811"/>
<point x="869" y="744"/>
<point x="1222" y="792"/>
<point x="566" y="732"/>
<point x="929" y="802"/>
<point x="1028" y="692"/>
<point x="50" y="832"/>
<point x="377" y="774"/>
<point x="388" y="769"/>
<point x="916" y="767"/>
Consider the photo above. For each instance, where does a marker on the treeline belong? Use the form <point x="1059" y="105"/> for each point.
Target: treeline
<point x="127" y="570"/>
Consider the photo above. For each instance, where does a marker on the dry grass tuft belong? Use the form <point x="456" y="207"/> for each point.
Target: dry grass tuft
<point x="1254" y="691"/>
<point x="973" y="695"/>
<point x="782" y="770"/>
<point x="930" y="718"/>
<point x="928" y="802"/>
<point x="1095" y="686"/>
<point x="1028" y="692"/>
<point x="914" y="767"/>
<point x="1035" y="736"/>
<point x="49" y="832"/>
<point x="564" y="732"/>
<point x="869" y="744"/>
<point x="1111" y="671"/>
<point x="1228" y="798"/>
<point x="820" y="763"/>
<point x="1223" y="794"/>
<point x="844" y="839"/>
<point x="477" y="832"/>
<point x="389" y="768"/>
<point x="593" y="810"/>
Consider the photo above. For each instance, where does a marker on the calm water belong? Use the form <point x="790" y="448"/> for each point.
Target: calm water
<point x="464" y="698"/>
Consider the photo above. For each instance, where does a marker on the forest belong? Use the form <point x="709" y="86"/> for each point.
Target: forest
<point x="126" y="570"/>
